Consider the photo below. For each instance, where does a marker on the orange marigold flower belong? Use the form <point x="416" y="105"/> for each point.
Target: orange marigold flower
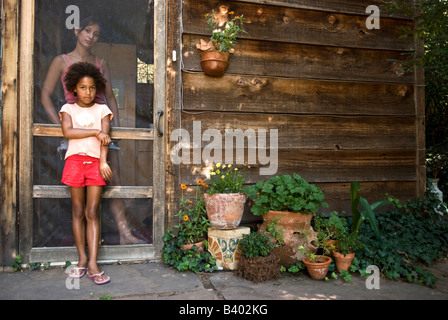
<point x="183" y="186"/>
<point x="185" y="218"/>
<point x="200" y="182"/>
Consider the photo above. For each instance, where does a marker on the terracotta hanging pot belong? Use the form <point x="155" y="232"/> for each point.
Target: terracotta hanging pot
<point x="214" y="63"/>
<point x="318" y="268"/>
<point x="343" y="262"/>
<point x="225" y="210"/>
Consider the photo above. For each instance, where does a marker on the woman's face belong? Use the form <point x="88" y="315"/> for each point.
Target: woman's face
<point x="88" y="36"/>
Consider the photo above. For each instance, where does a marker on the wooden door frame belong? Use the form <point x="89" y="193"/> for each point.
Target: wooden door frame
<point x="23" y="114"/>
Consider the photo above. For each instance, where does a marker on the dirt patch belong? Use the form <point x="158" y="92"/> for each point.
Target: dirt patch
<point x="259" y="269"/>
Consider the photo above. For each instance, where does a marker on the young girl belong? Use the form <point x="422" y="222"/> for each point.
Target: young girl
<point x="86" y="125"/>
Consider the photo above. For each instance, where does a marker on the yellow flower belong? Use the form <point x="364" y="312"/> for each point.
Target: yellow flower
<point x="222" y="177"/>
<point x="236" y="169"/>
<point x="183" y="186"/>
<point x="218" y="165"/>
<point x="185" y="218"/>
<point x="224" y="166"/>
<point x="229" y="166"/>
<point x="218" y="172"/>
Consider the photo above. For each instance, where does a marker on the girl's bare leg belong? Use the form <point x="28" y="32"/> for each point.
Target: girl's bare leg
<point x="79" y="223"/>
<point x="93" y="228"/>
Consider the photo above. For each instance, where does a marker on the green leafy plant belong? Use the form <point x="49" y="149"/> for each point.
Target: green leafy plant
<point x="358" y="217"/>
<point x="181" y="259"/>
<point x="348" y="243"/>
<point x="225" y="179"/>
<point x="331" y="227"/>
<point x="285" y="193"/>
<point x="255" y="244"/>
<point x="192" y="214"/>
<point x="225" y="27"/>
<point x="412" y="236"/>
<point x="17" y="264"/>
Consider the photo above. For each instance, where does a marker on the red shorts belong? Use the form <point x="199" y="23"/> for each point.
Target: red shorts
<point x="80" y="171"/>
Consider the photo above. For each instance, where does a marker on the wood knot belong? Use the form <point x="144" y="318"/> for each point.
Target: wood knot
<point x="332" y="19"/>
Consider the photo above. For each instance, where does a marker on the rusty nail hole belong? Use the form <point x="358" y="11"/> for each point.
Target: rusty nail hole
<point x="337" y="147"/>
<point x="361" y="33"/>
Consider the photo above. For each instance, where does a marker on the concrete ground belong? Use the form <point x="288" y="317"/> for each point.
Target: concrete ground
<point x="156" y="281"/>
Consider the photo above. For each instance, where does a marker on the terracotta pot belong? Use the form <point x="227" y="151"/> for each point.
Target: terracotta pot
<point x="318" y="269"/>
<point x="214" y="63"/>
<point x="225" y="210"/>
<point x="343" y="262"/>
<point x="199" y="245"/>
<point x="330" y="243"/>
<point x="292" y="225"/>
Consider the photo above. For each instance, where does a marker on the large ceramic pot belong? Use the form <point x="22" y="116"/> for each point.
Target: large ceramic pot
<point x="318" y="268"/>
<point x="225" y="210"/>
<point x="297" y="231"/>
<point x="214" y="63"/>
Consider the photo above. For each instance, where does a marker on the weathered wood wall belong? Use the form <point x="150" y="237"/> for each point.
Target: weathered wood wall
<point x="343" y="109"/>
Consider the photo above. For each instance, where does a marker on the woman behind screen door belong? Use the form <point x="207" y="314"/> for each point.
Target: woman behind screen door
<point x="86" y="38"/>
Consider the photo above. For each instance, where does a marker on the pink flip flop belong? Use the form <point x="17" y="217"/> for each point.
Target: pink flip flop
<point x="104" y="281"/>
<point x="76" y="272"/>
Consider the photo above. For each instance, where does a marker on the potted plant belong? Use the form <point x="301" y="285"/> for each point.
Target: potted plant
<point x="193" y="224"/>
<point x="225" y="27"/>
<point x="345" y="253"/>
<point x="291" y="201"/>
<point x="330" y="228"/>
<point x="257" y="262"/>
<point x="316" y="264"/>
<point x="224" y="199"/>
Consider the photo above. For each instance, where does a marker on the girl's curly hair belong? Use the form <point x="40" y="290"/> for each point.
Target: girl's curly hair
<point x="79" y="70"/>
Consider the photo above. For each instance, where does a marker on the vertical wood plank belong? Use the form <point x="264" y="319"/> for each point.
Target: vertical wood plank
<point x="159" y="209"/>
<point x="8" y="188"/>
<point x="26" y="61"/>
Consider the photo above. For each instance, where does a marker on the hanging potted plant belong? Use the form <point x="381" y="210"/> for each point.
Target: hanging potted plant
<point x="225" y="27"/>
<point x="224" y="200"/>
<point x="291" y="202"/>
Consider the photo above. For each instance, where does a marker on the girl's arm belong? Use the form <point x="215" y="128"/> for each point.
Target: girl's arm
<point x="79" y="133"/>
<point x="105" y="170"/>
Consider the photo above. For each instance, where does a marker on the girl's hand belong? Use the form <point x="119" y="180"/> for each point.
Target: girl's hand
<point x="104" y="138"/>
<point x="105" y="171"/>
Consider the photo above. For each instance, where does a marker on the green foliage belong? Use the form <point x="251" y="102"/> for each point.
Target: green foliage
<point x="431" y="28"/>
<point x="17" y="264"/>
<point x="193" y="216"/>
<point x="181" y="259"/>
<point x="332" y="227"/>
<point x="224" y="34"/>
<point x="255" y="244"/>
<point x="369" y="210"/>
<point x="411" y="236"/>
<point x="285" y="193"/>
<point x="225" y="179"/>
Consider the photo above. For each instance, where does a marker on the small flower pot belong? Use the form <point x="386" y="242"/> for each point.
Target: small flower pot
<point x="199" y="246"/>
<point x="214" y="63"/>
<point x="343" y="262"/>
<point x="318" y="268"/>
